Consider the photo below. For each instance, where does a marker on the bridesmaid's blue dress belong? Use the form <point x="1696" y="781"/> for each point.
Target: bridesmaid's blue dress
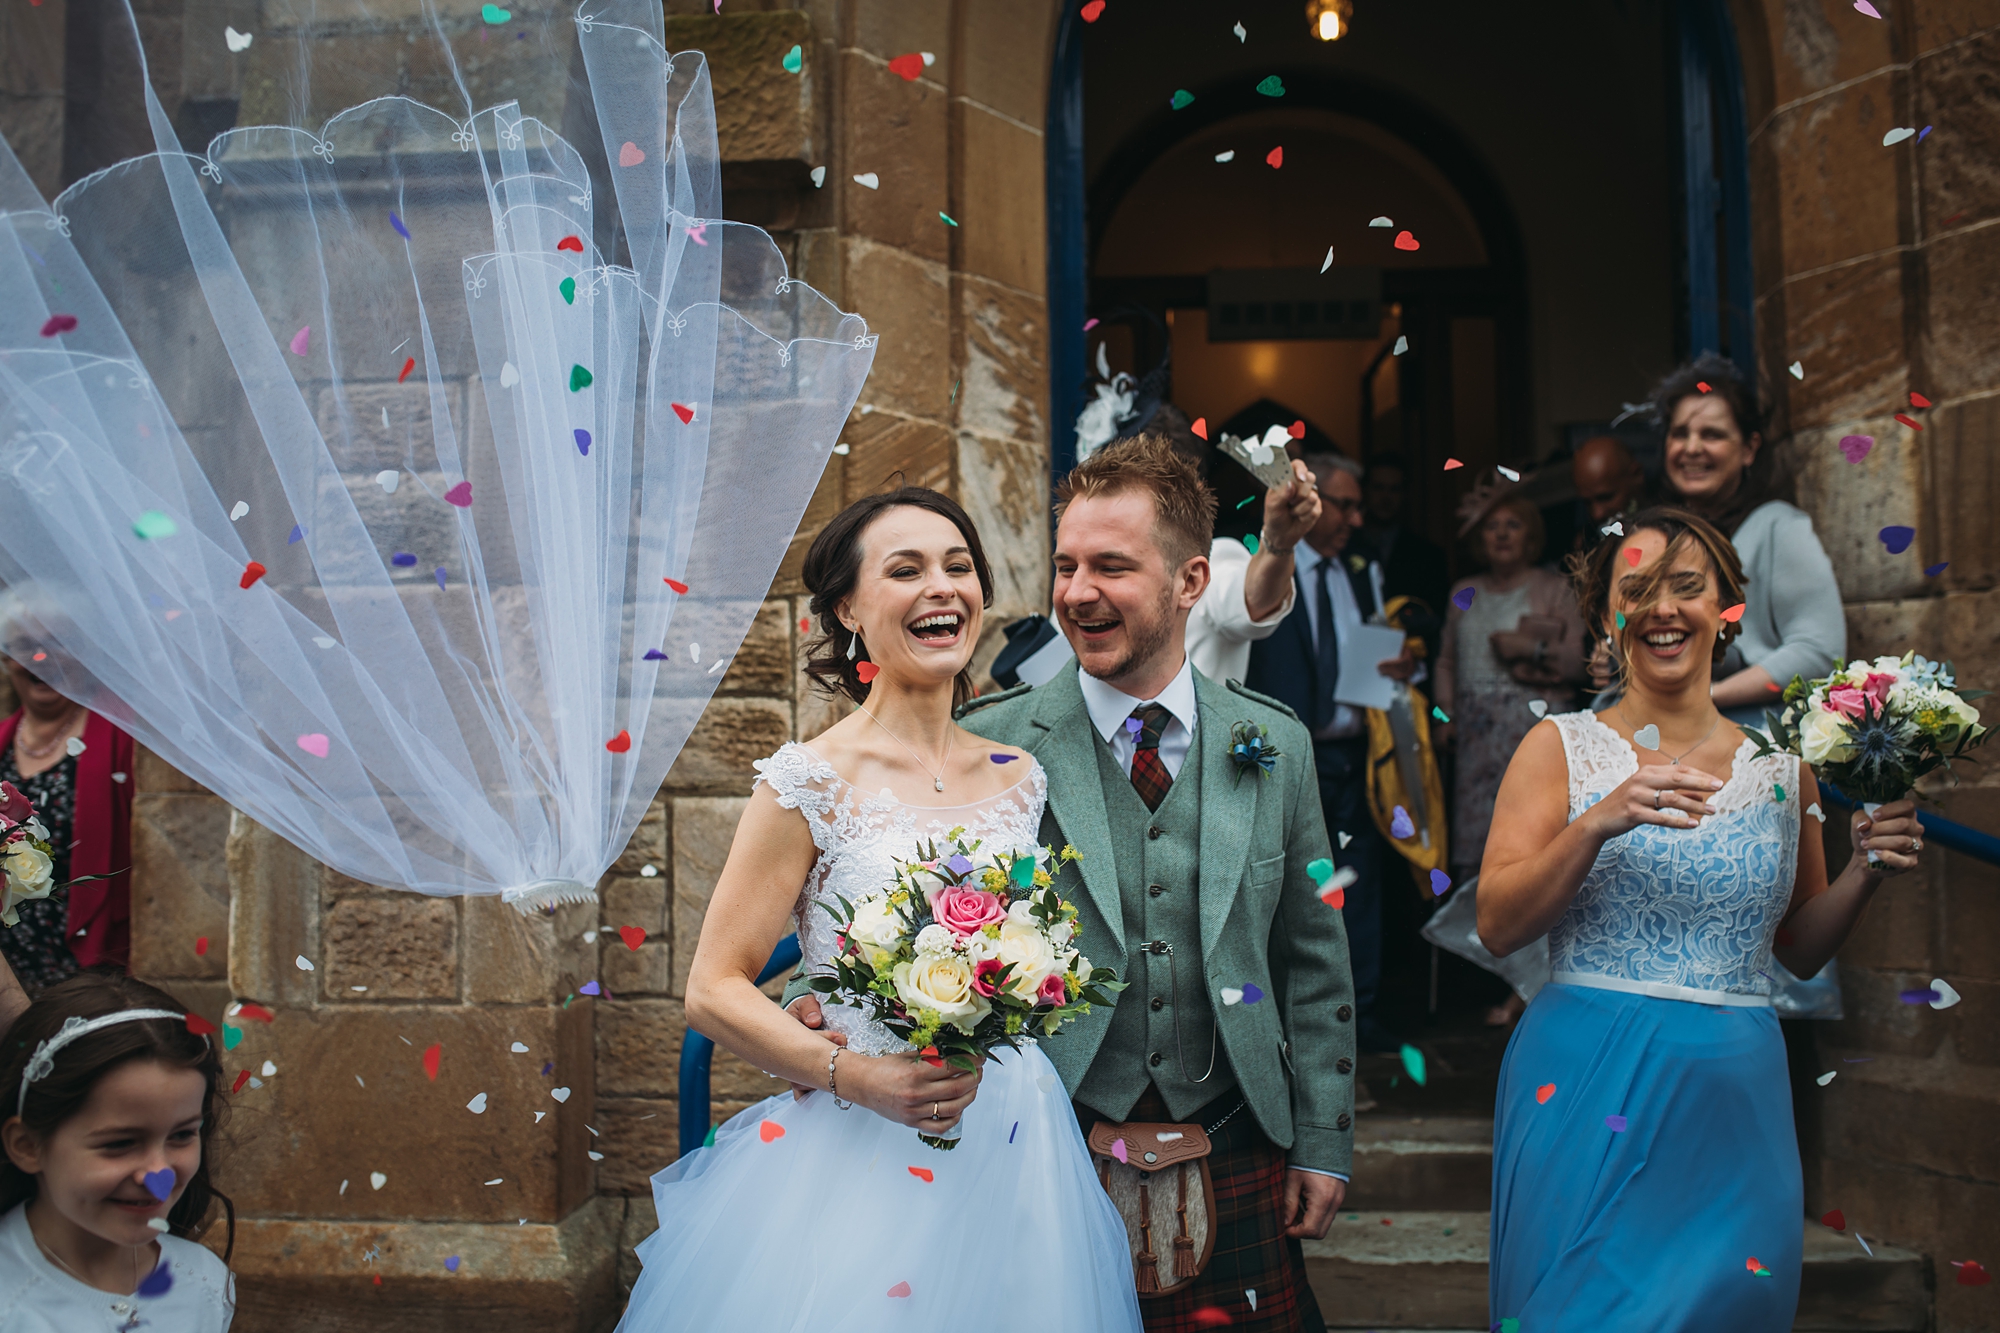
<point x="1645" y="1168"/>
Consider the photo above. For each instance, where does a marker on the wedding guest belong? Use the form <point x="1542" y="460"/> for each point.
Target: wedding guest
<point x="1412" y="564"/>
<point x="75" y="767"/>
<point x="1608" y="480"/>
<point x="1248" y="594"/>
<point x="1717" y="466"/>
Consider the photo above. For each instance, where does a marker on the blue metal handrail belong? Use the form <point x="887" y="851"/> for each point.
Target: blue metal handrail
<point x="1948" y="833"/>
<point x="697" y="1051"/>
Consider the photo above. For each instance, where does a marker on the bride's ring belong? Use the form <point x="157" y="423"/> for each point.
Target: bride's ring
<point x="1656" y="797"/>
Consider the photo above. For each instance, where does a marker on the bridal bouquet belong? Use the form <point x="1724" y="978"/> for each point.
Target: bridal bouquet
<point x="24" y="854"/>
<point x="1873" y="728"/>
<point x="964" y="952"/>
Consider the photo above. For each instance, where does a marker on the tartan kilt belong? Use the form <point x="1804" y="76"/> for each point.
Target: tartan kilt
<point x="1251" y="1251"/>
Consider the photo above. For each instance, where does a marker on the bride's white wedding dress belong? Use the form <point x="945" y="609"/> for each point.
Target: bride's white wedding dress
<point x="829" y="1226"/>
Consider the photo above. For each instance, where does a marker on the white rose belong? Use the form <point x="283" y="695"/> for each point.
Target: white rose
<point x="979" y="946"/>
<point x="1823" y="737"/>
<point x="934" y="940"/>
<point x="875" y="923"/>
<point x="28" y="873"/>
<point x="1030" y="953"/>
<point x="1061" y="933"/>
<point x="942" y="984"/>
<point x="1021" y="912"/>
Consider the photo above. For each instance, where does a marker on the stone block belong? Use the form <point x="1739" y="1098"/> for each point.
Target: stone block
<point x="731" y="734"/>
<point x="516" y="959"/>
<point x="640" y="1136"/>
<point x="1931" y="1119"/>
<point x="1975" y="1021"/>
<point x="1877" y="1020"/>
<point x="763" y="115"/>
<point x="1851" y="503"/>
<point x="1957" y="352"/>
<point x="350" y="1098"/>
<point x="1878" y="628"/>
<point x="1005" y="383"/>
<point x="889" y="28"/>
<point x="763" y="662"/>
<point x="155" y="774"/>
<point x="296" y="1275"/>
<point x="273" y="915"/>
<point x="1969" y="637"/>
<point x="1002" y="48"/>
<point x="704" y="828"/>
<point x="209" y="70"/>
<point x="32" y="45"/>
<point x="1002" y="225"/>
<point x="817" y="710"/>
<point x="898" y="130"/>
<point x="402" y="948"/>
<point x="1946" y="1216"/>
<point x="1971" y="893"/>
<point x="1960" y="479"/>
<point x="1816" y="45"/>
<point x="1896" y="932"/>
<point x="1005" y="484"/>
<point x="1847" y="325"/>
<point x="639" y="1048"/>
<point x="180" y="886"/>
<point x="648" y="970"/>
<point x="905" y="300"/>
<point x="1838" y="191"/>
<point x="889" y="450"/>
<point x="648" y="845"/>
<point x="636" y="902"/>
<point x="1961" y="170"/>
<point x="33" y="126"/>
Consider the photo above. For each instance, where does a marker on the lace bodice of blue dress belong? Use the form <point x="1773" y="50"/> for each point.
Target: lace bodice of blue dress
<point x="860" y="838"/>
<point x="1673" y="913"/>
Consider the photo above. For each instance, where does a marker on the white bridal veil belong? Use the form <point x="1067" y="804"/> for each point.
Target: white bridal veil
<point x="408" y="475"/>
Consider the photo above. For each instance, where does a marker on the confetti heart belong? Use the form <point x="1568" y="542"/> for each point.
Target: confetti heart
<point x="315" y="744"/>
<point x="152" y="525"/>
<point x="794" y="61"/>
<point x="1462" y="599"/>
<point x="1440" y="883"/>
<point x="509" y="376"/>
<point x="630" y="154"/>
<point x="1251" y="993"/>
<point x="1864" y="7"/>
<point x="574" y="243"/>
<point x="1413" y="1063"/>
<point x="683" y="411"/>
<point x="1046" y="1082"/>
<point x="588" y="988"/>
<point x="236" y="41"/>
<point x="1400" y="825"/>
<point x="459" y="496"/>
<point x="1181" y="98"/>
<point x="677" y="586"/>
<point x="866" y="671"/>
<point x="376" y="1180"/>
<point x="242" y="1077"/>
<point x="1647" y="737"/>
<point x="1615" y="1123"/>
<point x="1543" y="1093"/>
<point x="1539" y="707"/>
<point x="402" y="560"/>
<point x="562" y="1095"/>
<point x="1091" y="11"/>
<point x="1777" y="793"/>
<point x="388" y="480"/>
<point x="634" y="936"/>
<point x="269" y="1069"/>
<point x="200" y="949"/>
<point x="902" y="1289"/>
<point x="1227" y="155"/>
<point x="1970" y="1274"/>
<point x="1897" y="135"/>
<point x="582" y="437"/>
<point x="1753" y="1263"/>
<point x="1733" y="614"/>
<point x="1231" y="995"/>
<point x="1380" y="222"/>
<point x="56" y="324"/>
<point x="1932" y="571"/>
<point x="302" y="963"/>
<point x="1946" y="996"/>
<point x="1798" y="369"/>
<point x="156" y="1283"/>
<point x="620" y="743"/>
<point x="1897" y="538"/>
<point x="1909" y="421"/>
<point x="477" y="1105"/>
<point x="579" y="379"/>
<point x="1271" y="86"/>
<point x="432" y="1055"/>
<point x="302" y="340"/>
<point x="494" y="14"/>
<point x="251" y="573"/>
<point x="1827" y="1077"/>
<point x="819" y="178"/>
<point x="1118" y="1151"/>
<point x="1297" y="430"/>
<point x="160" y="1184"/>
<point x="568" y="289"/>
<point x="1816" y="812"/>
<point x="1927" y="995"/>
<point x="922" y="1173"/>
<point x="451" y="1260"/>
<point x="1326" y="263"/>
<point x="1276" y="157"/>
<point x="1321" y="870"/>
<point x="1242" y="35"/>
<point x="770" y="1131"/>
<point x="868" y="180"/>
<point x="1918" y="400"/>
<point x="1405" y="241"/>
<point x="1452" y="464"/>
<point x="909" y="66"/>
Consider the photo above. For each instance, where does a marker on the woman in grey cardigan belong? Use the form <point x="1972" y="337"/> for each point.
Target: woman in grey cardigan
<point x="1716" y="465"/>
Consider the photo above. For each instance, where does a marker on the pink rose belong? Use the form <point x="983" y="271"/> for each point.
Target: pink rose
<point x="983" y="974"/>
<point x="1845" y="699"/>
<point x="1876" y="688"/>
<point x="1053" y="991"/>
<point x="14" y="807"/>
<point x="964" y="909"/>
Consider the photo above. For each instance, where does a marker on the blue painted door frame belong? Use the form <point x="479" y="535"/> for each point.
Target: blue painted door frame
<point x="1718" y="300"/>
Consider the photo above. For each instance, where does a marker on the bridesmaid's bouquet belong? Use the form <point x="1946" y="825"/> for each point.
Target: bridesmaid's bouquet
<point x="1873" y="728"/>
<point x="964" y="952"/>
<point x="25" y="858"/>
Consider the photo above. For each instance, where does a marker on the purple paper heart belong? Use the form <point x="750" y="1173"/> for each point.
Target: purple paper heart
<point x="1400" y="825"/>
<point x="1134" y="725"/>
<point x="402" y="559"/>
<point x="440" y="576"/>
<point x="1003" y="758"/>
<point x="397" y="223"/>
<point x="451" y="1263"/>
<point x="1615" y="1123"/>
<point x="160" y="1184"/>
<point x="1856" y="447"/>
<point x="1924" y="996"/>
<point x="587" y="988"/>
<point x="1251" y="994"/>
<point x="298" y="534"/>
<point x="655" y="655"/>
<point x="582" y="441"/>
<point x="1897" y="538"/>
<point x="958" y="865"/>
<point x="158" y="1282"/>
<point x="1462" y="599"/>
<point x="1932" y="571"/>
<point x="1440" y="882"/>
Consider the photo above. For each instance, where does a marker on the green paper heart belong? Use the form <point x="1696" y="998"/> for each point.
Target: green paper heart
<point x="1023" y="871"/>
<point x="1181" y="98"/>
<point x="153" y="524"/>
<point x="1621" y="620"/>
<point x="1250" y="543"/>
<point x="1272" y="86"/>
<point x="1321" y="870"/>
<point x="232" y="1037"/>
<point x="795" y="60"/>
<point x="579" y="378"/>
<point x="495" y="15"/>
<point x="568" y="288"/>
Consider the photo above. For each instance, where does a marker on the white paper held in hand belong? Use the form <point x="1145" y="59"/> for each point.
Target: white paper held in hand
<point x="1363" y="649"/>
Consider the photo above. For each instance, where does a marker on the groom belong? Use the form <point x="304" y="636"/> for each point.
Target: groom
<point x="1194" y="888"/>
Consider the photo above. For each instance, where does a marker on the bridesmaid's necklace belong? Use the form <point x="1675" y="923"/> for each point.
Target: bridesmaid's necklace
<point x="1672" y="758"/>
<point x="937" y="774"/>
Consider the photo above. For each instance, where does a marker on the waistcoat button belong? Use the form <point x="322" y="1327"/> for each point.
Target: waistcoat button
<point x="1343" y="1013"/>
<point x="1152" y="1157"/>
<point x="1155" y="831"/>
<point x="1159" y="1003"/>
<point x="1343" y="1065"/>
<point x="1154" y="1059"/>
<point x="1343" y="1120"/>
<point x="1155" y="890"/>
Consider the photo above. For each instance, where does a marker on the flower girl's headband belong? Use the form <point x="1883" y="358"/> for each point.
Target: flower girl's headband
<point x="43" y="1062"/>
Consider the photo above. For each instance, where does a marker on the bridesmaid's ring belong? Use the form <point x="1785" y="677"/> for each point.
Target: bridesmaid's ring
<point x="934" y="1114"/>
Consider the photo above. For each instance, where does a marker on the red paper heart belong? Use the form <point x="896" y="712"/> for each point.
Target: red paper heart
<point x="571" y="243"/>
<point x="1276" y="157"/>
<point x="770" y="1131"/>
<point x="236" y="1087"/>
<point x="620" y="743"/>
<point x="1702" y="385"/>
<point x="1092" y="10"/>
<point x="256" y="1011"/>
<point x="805" y="624"/>
<point x="922" y="1173"/>
<point x="1970" y="1274"/>
<point x="909" y="66"/>
<point x="1918" y="400"/>
<point x="1405" y="241"/>
<point x="867" y="671"/>
<point x="684" y="412"/>
<point x="1212" y="1316"/>
<point x="930" y="1056"/>
<point x="432" y="1055"/>
<point x="634" y="936"/>
<point x="1200" y="427"/>
<point x="1543" y="1093"/>
<point x="678" y="586"/>
<point x="200" y="1026"/>
<point x="1297" y="430"/>
<point x="1835" y="1219"/>
<point x="1734" y="613"/>
<point x="409" y="364"/>
<point x="251" y="573"/>
<point x="200" y="945"/>
<point x="902" y="1289"/>
<point x="630" y="154"/>
<point x="1334" y="898"/>
<point x="1633" y="555"/>
<point x="1909" y="421"/>
<point x="1752" y="1264"/>
<point x="1451" y="463"/>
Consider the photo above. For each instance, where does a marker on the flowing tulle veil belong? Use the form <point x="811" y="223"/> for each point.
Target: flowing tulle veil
<point x="408" y="475"/>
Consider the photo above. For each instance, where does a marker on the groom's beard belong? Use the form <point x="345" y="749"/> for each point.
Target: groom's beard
<point x="1143" y="637"/>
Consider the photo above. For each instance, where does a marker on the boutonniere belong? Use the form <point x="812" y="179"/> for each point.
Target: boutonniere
<point x="1251" y="749"/>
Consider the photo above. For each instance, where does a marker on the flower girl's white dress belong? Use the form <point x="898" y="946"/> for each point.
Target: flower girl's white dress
<point x="828" y="1226"/>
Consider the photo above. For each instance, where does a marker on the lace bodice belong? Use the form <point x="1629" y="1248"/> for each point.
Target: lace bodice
<point x="1685" y="914"/>
<point x="859" y="837"/>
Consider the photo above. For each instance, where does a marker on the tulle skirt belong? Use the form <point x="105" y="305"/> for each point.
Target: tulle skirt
<point x="829" y="1227"/>
<point x="1648" y="1222"/>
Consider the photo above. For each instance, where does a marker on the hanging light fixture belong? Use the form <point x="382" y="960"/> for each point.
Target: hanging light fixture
<point x="1330" y="19"/>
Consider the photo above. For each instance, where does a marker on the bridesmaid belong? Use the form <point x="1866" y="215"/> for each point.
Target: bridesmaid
<point x="1645" y="1170"/>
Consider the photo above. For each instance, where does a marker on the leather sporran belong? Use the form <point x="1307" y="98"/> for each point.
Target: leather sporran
<point x="1162" y="1190"/>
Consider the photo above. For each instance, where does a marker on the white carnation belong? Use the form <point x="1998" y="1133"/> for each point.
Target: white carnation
<point x="934" y="941"/>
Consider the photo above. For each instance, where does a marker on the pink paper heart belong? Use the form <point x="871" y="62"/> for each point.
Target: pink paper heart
<point x="302" y="340"/>
<point x="1856" y="447"/>
<point x="901" y="1289"/>
<point x="314" y="743"/>
<point x="630" y="154"/>
<point x="1118" y="1151"/>
<point x="460" y="495"/>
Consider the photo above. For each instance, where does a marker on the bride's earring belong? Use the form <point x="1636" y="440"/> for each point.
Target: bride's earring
<point x="853" y="644"/>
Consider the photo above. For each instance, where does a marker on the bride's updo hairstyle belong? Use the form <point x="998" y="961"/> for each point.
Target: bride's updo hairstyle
<point x="833" y="567"/>
<point x="1594" y="573"/>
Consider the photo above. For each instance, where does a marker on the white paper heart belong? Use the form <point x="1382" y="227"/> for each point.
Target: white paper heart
<point x="819" y="177"/>
<point x="1827" y="1077"/>
<point x="518" y="1048"/>
<point x="1816" y="812"/>
<point x="303" y="963"/>
<point x="1647" y="737"/>
<point x="1345" y="838"/>
<point x="596" y="1156"/>
<point x="1276" y="438"/>
<point x="238" y="510"/>
<point x="477" y="1105"/>
<point x="1798" y="369"/>
<point x="509" y="376"/>
<point x="539" y="1115"/>
<point x="388" y="480"/>
<point x="377" y="1180"/>
<point x="322" y="641"/>
<point x="157" y="1224"/>
<point x="1381" y="222"/>
<point x="560" y="1094"/>
<point x="1326" y="263"/>
<point x="1402" y="346"/>
<point x="1250" y="1294"/>
<point x="590" y="937"/>
<point x="649" y="872"/>
<point x="268" y="1070"/>
<point x="1507" y="472"/>
<point x="1947" y="997"/>
<point x="1539" y="707"/>
<point x="238" y="41"/>
<point x="74" y="746"/>
<point x="1242" y="33"/>
<point x="1046" y="1082"/>
<point x="119" y="778"/>
<point x="1169" y="1136"/>
<point x="868" y="180"/>
<point x="1232" y="995"/>
<point x="1226" y="155"/>
<point x="930" y="58"/>
<point x="1897" y="135"/>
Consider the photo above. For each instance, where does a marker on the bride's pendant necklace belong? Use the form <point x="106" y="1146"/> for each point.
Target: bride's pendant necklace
<point x="937" y="774"/>
<point x="1670" y="758"/>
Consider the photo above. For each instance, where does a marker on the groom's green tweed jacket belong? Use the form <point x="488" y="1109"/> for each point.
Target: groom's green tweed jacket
<point x="1261" y="919"/>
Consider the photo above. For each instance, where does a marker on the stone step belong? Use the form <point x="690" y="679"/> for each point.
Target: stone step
<point x="1427" y="1270"/>
<point x="1422" y="1163"/>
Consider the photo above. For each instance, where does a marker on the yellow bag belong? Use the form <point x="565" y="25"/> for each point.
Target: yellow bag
<point x="1403" y="771"/>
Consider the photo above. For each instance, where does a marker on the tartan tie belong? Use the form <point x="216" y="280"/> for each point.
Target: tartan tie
<point x="1149" y="772"/>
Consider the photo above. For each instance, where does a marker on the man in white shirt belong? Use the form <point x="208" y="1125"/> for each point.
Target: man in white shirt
<point x="1249" y="595"/>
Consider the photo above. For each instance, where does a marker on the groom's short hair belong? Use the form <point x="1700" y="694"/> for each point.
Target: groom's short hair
<point x="1183" y="505"/>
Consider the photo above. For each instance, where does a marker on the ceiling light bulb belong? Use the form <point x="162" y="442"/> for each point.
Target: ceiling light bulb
<point x="1329" y="26"/>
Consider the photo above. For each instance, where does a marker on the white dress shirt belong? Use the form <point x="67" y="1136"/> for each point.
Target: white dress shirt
<point x="1219" y="629"/>
<point x="1109" y="706"/>
<point x="1347" y="719"/>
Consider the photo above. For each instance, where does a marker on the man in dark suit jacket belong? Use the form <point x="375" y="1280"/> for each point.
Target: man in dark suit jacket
<point x="1299" y="665"/>
<point x="1412" y="565"/>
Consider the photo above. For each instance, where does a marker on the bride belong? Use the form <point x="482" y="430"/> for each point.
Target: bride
<point x="821" y="1209"/>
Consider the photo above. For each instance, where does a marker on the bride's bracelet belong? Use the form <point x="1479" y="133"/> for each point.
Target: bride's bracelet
<point x="831" y="1086"/>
